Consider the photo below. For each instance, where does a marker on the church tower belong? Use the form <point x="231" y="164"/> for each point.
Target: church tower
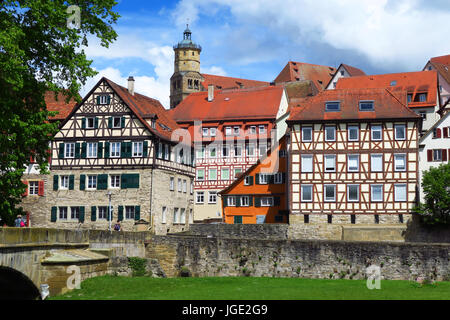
<point x="186" y="77"/>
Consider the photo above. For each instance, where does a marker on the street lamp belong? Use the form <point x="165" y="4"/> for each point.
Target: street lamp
<point x="109" y="210"/>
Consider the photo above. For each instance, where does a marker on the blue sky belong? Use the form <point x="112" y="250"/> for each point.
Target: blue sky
<point x="255" y="39"/>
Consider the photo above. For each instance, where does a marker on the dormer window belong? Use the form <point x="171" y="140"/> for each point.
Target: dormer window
<point x="154" y="123"/>
<point x="409" y="97"/>
<point x="423" y="97"/>
<point x="332" y="106"/>
<point x="366" y="106"/>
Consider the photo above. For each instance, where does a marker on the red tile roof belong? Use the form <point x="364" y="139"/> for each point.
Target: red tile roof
<point x="386" y="106"/>
<point x="354" y="72"/>
<point x="296" y="71"/>
<point x="442" y="65"/>
<point x="412" y="82"/>
<point x="221" y="82"/>
<point x="59" y="105"/>
<point x="252" y="103"/>
<point x="441" y="59"/>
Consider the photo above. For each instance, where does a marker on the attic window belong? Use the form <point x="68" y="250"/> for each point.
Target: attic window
<point x="366" y="106"/>
<point x="320" y="81"/>
<point x="423" y="97"/>
<point x="409" y="97"/>
<point x="332" y="106"/>
<point x="153" y="123"/>
<point x="393" y="83"/>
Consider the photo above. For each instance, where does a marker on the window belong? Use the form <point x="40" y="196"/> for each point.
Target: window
<point x="75" y="213"/>
<point x="237" y="151"/>
<point x="117" y="122"/>
<point x="400" y="162"/>
<point x="353" y="193"/>
<point x="262" y="129"/>
<point x="182" y="216"/>
<point x="400" y="132"/>
<point x="353" y="133"/>
<point x="266" y="201"/>
<point x="103" y="99"/>
<point x="231" y="201"/>
<point x="201" y="174"/>
<point x="376" y="133"/>
<point x="409" y="97"/>
<point x="129" y="212"/>
<point x="212" y="198"/>
<point x="138" y="148"/>
<point x="236" y="172"/>
<point x="205" y="132"/>
<point x="92" y="149"/>
<point x="342" y="72"/>
<point x="330" y="133"/>
<point x="332" y="106"/>
<point x="306" y="193"/>
<point x="225" y="151"/>
<point x="212" y="152"/>
<point x="366" y="106"/>
<point x="278" y="178"/>
<point x="400" y="192"/>
<point x="62" y="213"/>
<point x="90" y="123"/>
<point x="236" y="131"/>
<point x="437" y="155"/>
<point x="192" y="187"/>
<point x="175" y="215"/>
<point x="422" y="97"/>
<point x="69" y="150"/>
<point x="115" y="150"/>
<point x="330" y="192"/>
<point x="228" y="131"/>
<point x="64" y="182"/>
<point x="283" y="153"/>
<point x="92" y="182"/>
<point x="212" y="132"/>
<point x="250" y="150"/>
<point x="252" y="130"/>
<point x="164" y="215"/>
<point x="376" y="163"/>
<point x="353" y="163"/>
<point x="245" y="202"/>
<point x="166" y="152"/>
<point x="200" y="197"/>
<point x="376" y="192"/>
<point x="184" y="186"/>
<point x="114" y="181"/>
<point x="306" y="134"/>
<point x="330" y="163"/>
<point x="180" y="186"/>
<point x="201" y="153"/>
<point x="264" y="178"/>
<point x="307" y="163"/>
<point x="103" y="213"/>
<point x="248" y="181"/>
<point x="172" y="183"/>
<point x="262" y="150"/>
<point x="34" y="188"/>
<point x="212" y="174"/>
<point x="225" y="175"/>
<point x="423" y="114"/>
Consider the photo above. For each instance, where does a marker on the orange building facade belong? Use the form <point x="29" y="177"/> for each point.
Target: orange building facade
<point x="259" y="194"/>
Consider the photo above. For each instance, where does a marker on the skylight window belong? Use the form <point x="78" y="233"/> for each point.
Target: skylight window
<point x="366" y="106"/>
<point x="332" y="106"/>
<point x="394" y="83"/>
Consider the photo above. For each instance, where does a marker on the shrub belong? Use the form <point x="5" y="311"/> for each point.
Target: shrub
<point x="137" y="266"/>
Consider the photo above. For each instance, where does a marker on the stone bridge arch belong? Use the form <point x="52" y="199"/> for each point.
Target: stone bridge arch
<point x="14" y="285"/>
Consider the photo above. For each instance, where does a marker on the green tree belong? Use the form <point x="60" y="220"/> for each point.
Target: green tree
<point x="436" y="187"/>
<point x="40" y="52"/>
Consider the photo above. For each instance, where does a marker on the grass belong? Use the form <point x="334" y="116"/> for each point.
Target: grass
<point x="247" y="288"/>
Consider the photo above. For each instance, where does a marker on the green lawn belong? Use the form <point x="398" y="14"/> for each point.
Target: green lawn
<point x="144" y="288"/>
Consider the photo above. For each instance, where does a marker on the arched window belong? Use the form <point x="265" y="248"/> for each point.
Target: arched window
<point x="190" y="83"/>
<point x="196" y="84"/>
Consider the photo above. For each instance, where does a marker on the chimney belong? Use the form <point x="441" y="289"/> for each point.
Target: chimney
<point x="210" y="92"/>
<point x="131" y="85"/>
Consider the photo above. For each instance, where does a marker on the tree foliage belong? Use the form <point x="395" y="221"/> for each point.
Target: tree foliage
<point x="40" y="53"/>
<point x="436" y="187"/>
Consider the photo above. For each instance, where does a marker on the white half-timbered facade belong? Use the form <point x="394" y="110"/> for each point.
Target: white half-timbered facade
<point x="353" y="158"/>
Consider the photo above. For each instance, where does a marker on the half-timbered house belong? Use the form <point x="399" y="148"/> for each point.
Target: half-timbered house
<point x="118" y="150"/>
<point x="353" y="158"/>
<point x="231" y="129"/>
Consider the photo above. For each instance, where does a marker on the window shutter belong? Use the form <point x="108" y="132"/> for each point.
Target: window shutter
<point x="124" y="181"/>
<point x="283" y="177"/>
<point x="96" y="123"/>
<point x="100" y="150"/>
<point x="257" y="178"/>
<point x="77" y="150"/>
<point x="145" y="149"/>
<point x="129" y="149"/>
<point x="137" y="213"/>
<point x="444" y="155"/>
<point x="102" y="182"/>
<point x="83" y="123"/>
<point x="276" y="201"/>
<point x="250" y="201"/>
<point x="438" y="133"/>
<point x="82" y="182"/>
<point x="122" y="122"/>
<point x="120" y="215"/>
<point x="225" y="201"/>
<point x="251" y="180"/>
<point x="81" y="215"/>
<point x="133" y="181"/>
<point x="55" y="182"/>
<point x="53" y="215"/>
<point x="430" y="155"/>
<point x="110" y="121"/>
<point x="71" y="182"/>
<point x="157" y="149"/>
<point x="271" y="179"/>
<point x="449" y="154"/>
<point x="445" y="130"/>
<point x="238" y="201"/>
<point x="41" y="188"/>
<point x="257" y="202"/>
<point x="98" y="99"/>
<point x="26" y="188"/>
<point x="83" y="150"/>
<point x="108" y="100"/>
<point x="61" y="151"/>
<point x="93" y="213"/>
<point x="107" y="146"/>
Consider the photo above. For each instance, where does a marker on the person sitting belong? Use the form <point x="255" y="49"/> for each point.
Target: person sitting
<point x="117" y="226"/>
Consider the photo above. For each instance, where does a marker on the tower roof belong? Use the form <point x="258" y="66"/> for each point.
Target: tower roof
<point x="187" y="42"/>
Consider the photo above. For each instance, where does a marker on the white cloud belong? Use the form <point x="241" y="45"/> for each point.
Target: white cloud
<point x="218" y="71"/>
<point x="393" y="33"/>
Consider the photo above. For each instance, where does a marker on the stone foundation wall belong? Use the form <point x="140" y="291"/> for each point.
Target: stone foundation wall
<point x="249" y="231"/>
